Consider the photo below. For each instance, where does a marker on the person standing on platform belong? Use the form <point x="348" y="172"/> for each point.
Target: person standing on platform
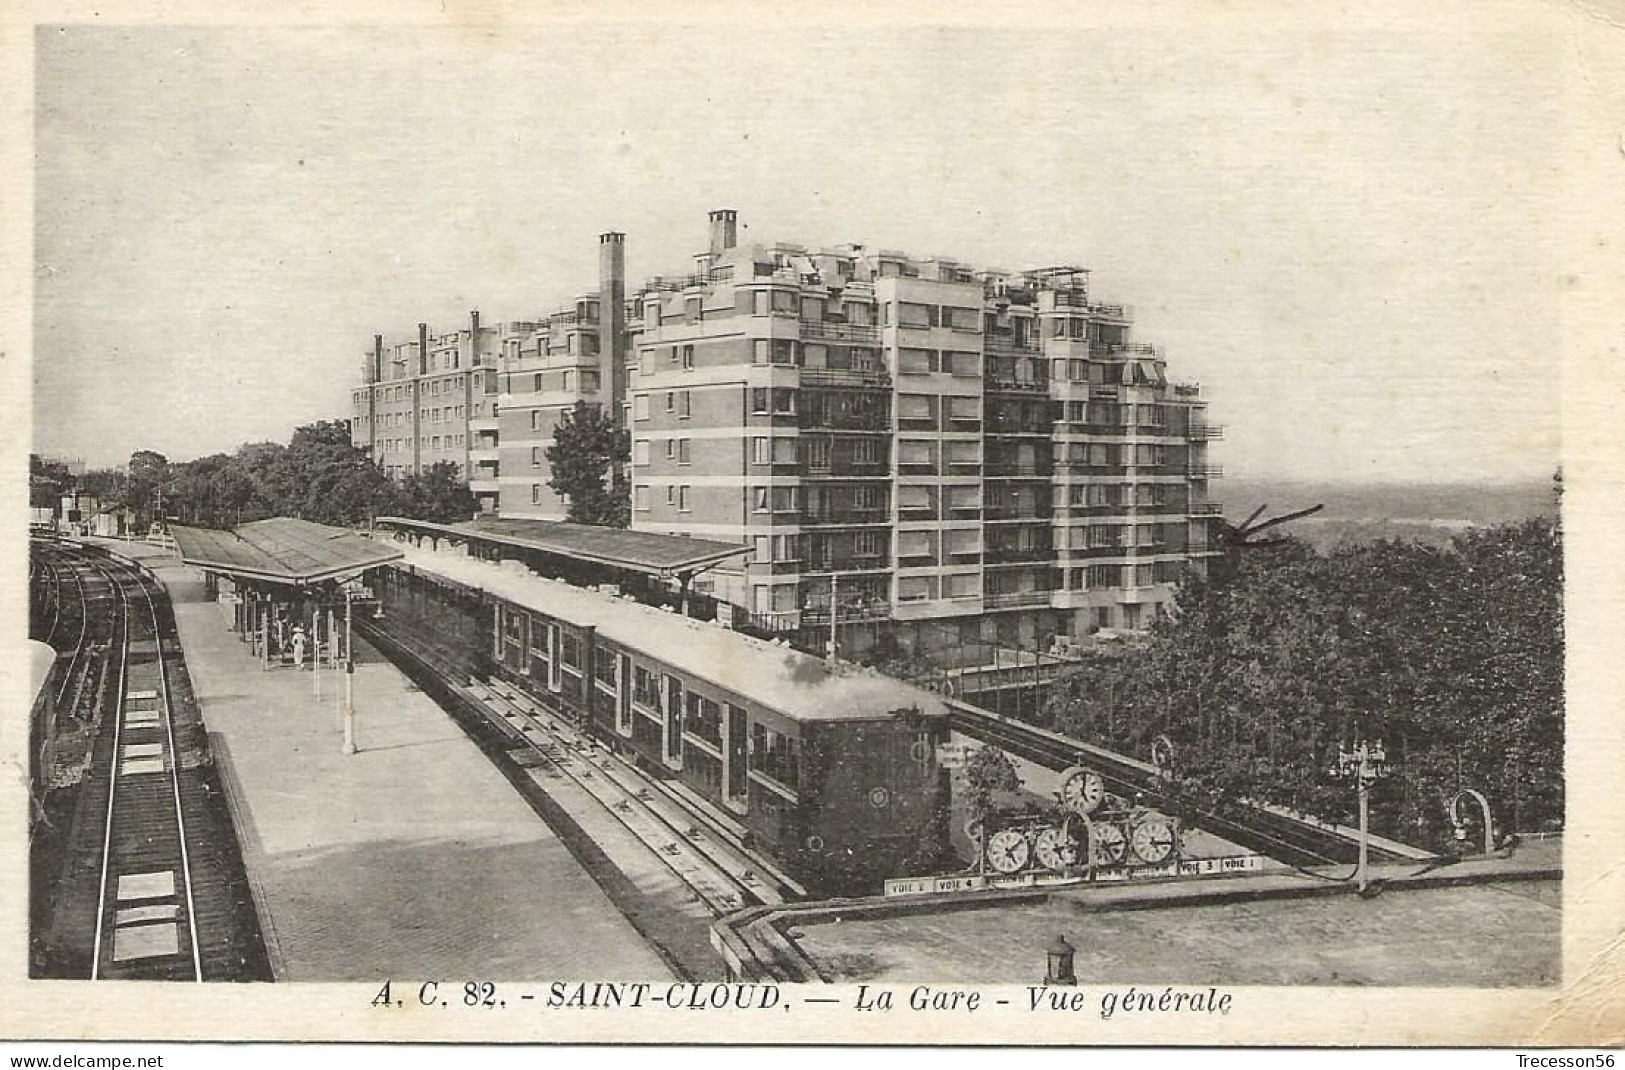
<point x="299" y="642"/>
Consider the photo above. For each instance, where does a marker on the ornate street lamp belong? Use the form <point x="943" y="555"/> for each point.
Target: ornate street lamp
<point x="1367" y="763"/>
<point x="1061" y="955"/>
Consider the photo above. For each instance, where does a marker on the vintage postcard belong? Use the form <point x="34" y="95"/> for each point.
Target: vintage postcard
<point x="1081" y="525"/>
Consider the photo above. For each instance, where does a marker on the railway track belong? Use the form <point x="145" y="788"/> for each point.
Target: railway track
<point x="152" y="886"/>
<point x="1273" y="831"/>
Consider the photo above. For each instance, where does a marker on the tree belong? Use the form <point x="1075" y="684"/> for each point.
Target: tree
<point x="438" y="495"/>
<point x="988" y="773"/>
<point x="588" y="448"/>
<point x="47" y="482"/>
<point x="1453" y="655"/>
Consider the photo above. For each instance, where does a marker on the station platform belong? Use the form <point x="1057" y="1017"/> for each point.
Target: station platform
<point x="411" y="858"/>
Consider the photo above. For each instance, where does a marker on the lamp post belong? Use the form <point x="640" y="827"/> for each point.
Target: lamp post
<point x="1061" y="955"/>
<point x="1366" y="763"/>
<point x="349" y="673"/>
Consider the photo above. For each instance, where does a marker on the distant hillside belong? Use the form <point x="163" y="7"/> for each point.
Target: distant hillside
<point x="1425" y="512"/>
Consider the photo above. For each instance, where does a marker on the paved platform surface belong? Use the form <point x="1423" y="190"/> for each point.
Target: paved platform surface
<point x="1498" y="933"/>
<point x="413" y="858"/>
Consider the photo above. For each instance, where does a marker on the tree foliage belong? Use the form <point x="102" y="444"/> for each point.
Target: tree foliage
<point x="588" y="459"/>
<point x="318" y="475"/>
<point x="1452" y="655"/>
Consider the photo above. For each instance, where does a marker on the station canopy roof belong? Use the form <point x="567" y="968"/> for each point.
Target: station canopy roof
<point x="639" y="551"/>
<point x="282" y="550"/>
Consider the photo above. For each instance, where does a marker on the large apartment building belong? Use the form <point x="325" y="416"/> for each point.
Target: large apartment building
<point x="433" y="398"/>
<point x="904" y="442"/>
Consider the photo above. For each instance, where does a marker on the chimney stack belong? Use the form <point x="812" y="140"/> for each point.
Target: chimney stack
<point x="423" y="349"/>
<point x="377" y="358"/>
<point x="724" y="230"/>
<point x="612" y="318"/>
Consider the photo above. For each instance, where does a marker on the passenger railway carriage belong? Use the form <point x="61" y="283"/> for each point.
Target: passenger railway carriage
<point x="832" y="769"/>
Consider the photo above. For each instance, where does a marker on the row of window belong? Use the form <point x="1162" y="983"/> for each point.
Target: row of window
<point x="678" y="450"/>
<point x="954" y="317"/>
<point x="434" y="442"/>
<point x="678" y="402"/>
<point x="678" y="496"/>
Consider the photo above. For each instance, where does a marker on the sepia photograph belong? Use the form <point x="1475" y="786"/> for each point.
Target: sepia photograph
<point x="1044" y="527"/>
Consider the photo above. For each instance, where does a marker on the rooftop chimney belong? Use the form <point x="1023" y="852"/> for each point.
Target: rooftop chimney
<point x="724" y="230"/>
<point x="377" y="358"/>
<point x="423" y="349"/>
<point x="612" y="318"/>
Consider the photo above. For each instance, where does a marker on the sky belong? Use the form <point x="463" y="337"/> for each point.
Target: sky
<point x="1344" y="236"/>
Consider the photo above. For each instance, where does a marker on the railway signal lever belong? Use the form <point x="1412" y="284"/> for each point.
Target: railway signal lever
<point x="1367" y="763"/>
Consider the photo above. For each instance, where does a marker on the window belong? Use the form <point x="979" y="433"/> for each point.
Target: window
<point x="640" y="452"/>
<point x="760" y="499"/>
<point x="961" y="319"/>
<point x="682" y="499"/>
<point x="964" y="585"/>
<point x="536" y="456"/>
<point x="671" y="401"/>
<point x="760" y="303"/>
<point x="916" y="316"/>
<point x="964" y="408"/>
<point x="761" y="450"/>
<point x="640" y="499"/>
<point x="536" y="494"/>
<point x="962" y="362"/>
<point x="917" y="544"/>
<point x="916" y="361"/>
<point x="646" y="362"/>
<point x="688" y="358"/>
<point x="916" y="407"/>
<point x="758" y="399"/>
<point x="916" y="588"/>
<point x="682" y="451"/>
<point x="640" y="406"/>
<point x="685" y="404"/>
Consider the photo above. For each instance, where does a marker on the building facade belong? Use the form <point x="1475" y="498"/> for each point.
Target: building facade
<point x="904" y="442"/>
<point x="433" y="398"/>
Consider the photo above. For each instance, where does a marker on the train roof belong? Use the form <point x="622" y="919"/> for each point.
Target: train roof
<point x="796" y="685"/>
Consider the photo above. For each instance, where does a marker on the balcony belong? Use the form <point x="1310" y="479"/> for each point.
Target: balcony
<point x="917" y="561"/>
<point x="1206" y="509"/>
<point x="1020" y="469"/>
<point x="1005" y="344"/>
<point x="1013" y="599"/>
<point x="1006" y="513"/>
<point x="917" y="516"/>
<point x="1010" y="385"/>
<point x="1079" y="299"/>
<point x="1200" y="432"/>
<point x="1002" y="555"/>
<point x="822" y="517"/>
<point x="827" y="421"/>
<point x="998" y="428"/>
<point x="843" y="469"/>
<point x="1185" y="389"/>
<point x="1203" y="471"/>
<point x="854" y="563"/>
<point x="869" y="609"/>
<point x="833" y="331"/>
<point x="874" y="378"/>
